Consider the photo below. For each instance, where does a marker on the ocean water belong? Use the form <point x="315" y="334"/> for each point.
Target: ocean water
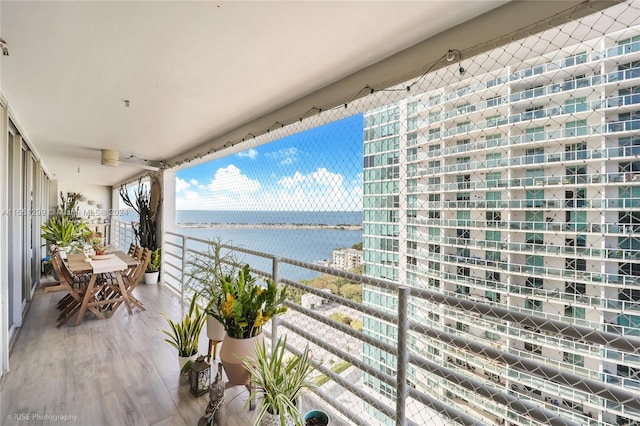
<point x="269" y="217"/>
<point x="309" y="245"/>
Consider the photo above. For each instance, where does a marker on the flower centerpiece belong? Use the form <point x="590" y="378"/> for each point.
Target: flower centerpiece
<point x="244" y="305"/>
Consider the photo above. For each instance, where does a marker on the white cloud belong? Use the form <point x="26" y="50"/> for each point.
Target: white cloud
<point x="191" y="195"/>
<point x="285" y="156"/>
<point x="182" y="185"/>
<point x="231" y="179"/>
<point x="319" y="190"/>
<point x="289" y="181"/>
<point x="250" y="153"/>
<point x="230" y="189"/>
<point x="323" y="176"/>
<point x="194" y="182"/>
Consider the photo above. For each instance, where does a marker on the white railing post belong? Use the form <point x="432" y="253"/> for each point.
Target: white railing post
<point x="183" y="272"/>
<point x="274" y="320"/>
<point x="403" y="355"/>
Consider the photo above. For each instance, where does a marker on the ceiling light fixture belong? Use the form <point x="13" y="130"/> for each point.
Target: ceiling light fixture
<point x="110" y="157"/>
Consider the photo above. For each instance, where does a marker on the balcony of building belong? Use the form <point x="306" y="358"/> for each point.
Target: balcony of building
<point x="121" y="371"/>
<point x="142" y="89"/>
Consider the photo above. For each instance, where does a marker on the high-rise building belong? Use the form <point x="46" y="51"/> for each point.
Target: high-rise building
<point x="517" y="185"/>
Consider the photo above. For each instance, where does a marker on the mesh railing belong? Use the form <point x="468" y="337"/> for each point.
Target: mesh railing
<point x="486" y="217"/>
<point x="333" y="327"/>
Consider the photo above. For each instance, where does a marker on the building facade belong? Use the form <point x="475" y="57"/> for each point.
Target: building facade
<point x="518" y="186"/>
<point x="346" y="259"/>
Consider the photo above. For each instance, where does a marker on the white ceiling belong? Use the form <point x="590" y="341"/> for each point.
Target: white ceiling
<point x="191" y="70"/>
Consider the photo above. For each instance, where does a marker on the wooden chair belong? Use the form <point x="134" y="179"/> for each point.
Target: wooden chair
<point x="135" y="251"/>
<point x="77" y="282"/>
<point x="70" y="304"/>
<point x="131" y="280"/>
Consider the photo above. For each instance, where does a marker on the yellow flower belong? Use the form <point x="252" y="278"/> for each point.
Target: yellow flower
<point x="259" y="320"/>
<point x="227" y="306"/>
<point x="259" y="291"/>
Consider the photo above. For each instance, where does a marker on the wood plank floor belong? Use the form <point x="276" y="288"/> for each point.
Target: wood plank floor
<point x="117" y="371"/>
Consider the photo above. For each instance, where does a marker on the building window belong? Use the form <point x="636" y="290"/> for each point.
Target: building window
<point x="534" y="305"/>
<point x="574" y="359"/>
<point x="575" y="288"/>
<point x="536" y="349"/>
<point x="535" y="238"/>
<point x="492" y="179"/>
<point x="462" y="327"/>
<point x="492" y="295"/>
<point x="574" y="312"/>
<point x="533" y="282"/>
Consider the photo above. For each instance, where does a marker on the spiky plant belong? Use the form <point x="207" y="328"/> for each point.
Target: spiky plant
<point x="278" y="381"/>
<point x="184" y="335"/>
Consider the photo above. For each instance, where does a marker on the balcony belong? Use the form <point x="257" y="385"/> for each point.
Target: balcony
<point x="119" y="371"/>
<point x="119" y="355"/>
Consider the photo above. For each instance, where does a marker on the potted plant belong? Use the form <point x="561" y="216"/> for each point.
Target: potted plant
<point x="204" y="272"/>
<point x="316" y="418"/>
<point x="146" y="203"/>
<point x="278" y="382"/>
<point x="244" y="306"/>
<point x="63" y="231"/>
<point x="153" y="268"/>
<point x="185" y="334"/>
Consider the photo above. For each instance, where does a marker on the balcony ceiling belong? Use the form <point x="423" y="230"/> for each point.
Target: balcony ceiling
<point x="196" y="72"/>
<point x="192" y="71"/>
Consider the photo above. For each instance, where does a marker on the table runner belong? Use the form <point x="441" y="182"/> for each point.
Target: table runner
<point x="108" y="265"/>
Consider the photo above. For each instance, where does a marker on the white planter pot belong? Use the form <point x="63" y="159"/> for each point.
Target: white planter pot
<point x="151" y="277"/>
<point x="215" y="329"/>
<point x="274" y="420"/>
<point x="182" y="360"/>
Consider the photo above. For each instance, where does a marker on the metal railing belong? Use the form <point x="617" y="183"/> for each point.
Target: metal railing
<point x="121" y="235"/>
<point x="410" y="401"/>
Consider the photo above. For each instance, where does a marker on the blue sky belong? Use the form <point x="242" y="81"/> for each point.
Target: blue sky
<point x="317" y="170"/>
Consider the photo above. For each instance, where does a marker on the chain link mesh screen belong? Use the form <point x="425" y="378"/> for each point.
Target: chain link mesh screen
<point x="503" y="189"/>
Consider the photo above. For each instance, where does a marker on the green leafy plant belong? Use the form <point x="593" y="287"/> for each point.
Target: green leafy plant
<point x="62" y="231"/>
<point x="277" y="381"/>
<point x="244" y="305"/>
<point x="184" y="335"/>
<point x="154" y="261"/>
<point x="206" y="270"/>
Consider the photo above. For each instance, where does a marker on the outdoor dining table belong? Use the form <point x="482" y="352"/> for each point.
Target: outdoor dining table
<point x="120" y="261"/>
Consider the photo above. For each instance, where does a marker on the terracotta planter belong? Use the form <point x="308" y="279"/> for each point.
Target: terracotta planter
<point x="215" y="329"/>
<point x="231" y="348"/>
